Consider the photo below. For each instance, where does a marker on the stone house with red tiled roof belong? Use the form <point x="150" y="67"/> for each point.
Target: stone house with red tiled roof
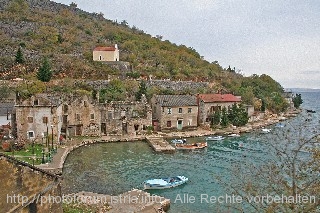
<point x="209" y="103"/>
<point x="106" y="53"/>
<point x="174" y="112"/>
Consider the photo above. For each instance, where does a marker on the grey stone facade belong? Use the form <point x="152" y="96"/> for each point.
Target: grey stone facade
<point x="174" y="112"/>
<point x="42" y="115"/>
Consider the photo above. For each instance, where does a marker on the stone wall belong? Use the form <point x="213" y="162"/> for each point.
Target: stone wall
<point x="21" y="179"/>
<point x="123" y="118"/>
<point x="179" y="85"/>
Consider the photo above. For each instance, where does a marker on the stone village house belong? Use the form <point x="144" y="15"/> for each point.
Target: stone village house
<point x="43" y="114"/>
<point x="209" y="103"/>
<point x="35" y="118"/>
<point x="125" y="117"/>
<point x="174" y="112"/>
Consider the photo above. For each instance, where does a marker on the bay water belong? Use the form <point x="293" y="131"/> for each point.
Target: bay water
<point x="114" y="168"/>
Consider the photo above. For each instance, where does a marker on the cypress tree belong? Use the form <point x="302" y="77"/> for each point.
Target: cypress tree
<point x="224" y="117"/>
<point x="216" y="117"/>
<point x="44" y="73"/>
<point x="142" y="90"/>
<point x="19" y="56"/>
<point x="263" y="106"/>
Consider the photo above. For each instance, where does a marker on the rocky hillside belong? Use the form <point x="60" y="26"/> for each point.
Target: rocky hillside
<point x="67" y="35"/>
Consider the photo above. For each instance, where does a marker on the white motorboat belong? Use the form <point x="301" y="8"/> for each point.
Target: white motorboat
<point x="265" y="131"/>
<point x="279" y="125"/>
<point x="164" y="183"/>
<point x="214" y="138"/>
<point x="179" y="141"/>
<point x="234" y="135"/>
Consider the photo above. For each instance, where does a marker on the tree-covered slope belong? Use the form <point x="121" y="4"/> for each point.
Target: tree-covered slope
<point x="67" y="35"/>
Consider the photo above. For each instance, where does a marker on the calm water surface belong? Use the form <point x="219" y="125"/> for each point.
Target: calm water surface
<point x="114" y="168"/>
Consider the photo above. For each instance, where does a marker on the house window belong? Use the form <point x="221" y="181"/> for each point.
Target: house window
<point x="180" y="110"/>
<point x="189" y="122"/>
<point x="65" y="108"/>
<point x="31" y="134"/>
<point x="100" y="57"/>
<point x="30" y="119"/>
<point x="78" y="117"/>
<point x="110" y="115"/>
<point x="135" y="114"/>
<point x="168" y="123"/>
<point x="45" y="120"/>
<point x="92" y="116"/>
<point x="169" y="110"/>
<point x="36" y="102"/>
<point x="189" y="110"/>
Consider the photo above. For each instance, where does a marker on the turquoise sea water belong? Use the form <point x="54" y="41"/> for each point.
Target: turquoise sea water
<point x="114" y="168"/>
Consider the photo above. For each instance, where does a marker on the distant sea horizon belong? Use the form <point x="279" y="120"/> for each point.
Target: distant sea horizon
<point x="295" y="90"/>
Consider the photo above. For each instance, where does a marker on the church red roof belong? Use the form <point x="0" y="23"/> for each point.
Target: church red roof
<point x="218" y="98"/>
<point x="104" y="49"/>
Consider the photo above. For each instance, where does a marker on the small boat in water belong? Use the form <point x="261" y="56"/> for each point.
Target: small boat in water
<point x="311" y="111"/>
<point x="234" y="135"/>
<point x="215" y="138"/>
<point x="179" y="141"/>
<point x="192" y="146"/>
<point x="164" y="183"/>
<point x="279" y="125"/>
<point x="265" y="131"/>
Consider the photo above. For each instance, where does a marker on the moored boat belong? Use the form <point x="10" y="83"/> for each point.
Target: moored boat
<point x="265" y="131"/>
<point x="192" y="146"/>
<point x="214" y="138"/>
<point x="179" y="141"/>
<point x="234" y="135"/>
<point x="279" y="125"/>
<point x="164" y="183"/>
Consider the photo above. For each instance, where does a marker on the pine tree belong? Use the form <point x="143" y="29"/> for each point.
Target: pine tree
<point x="297" y="100"/>
<point x="44" y="73"/>
<point x="19" y="56"/>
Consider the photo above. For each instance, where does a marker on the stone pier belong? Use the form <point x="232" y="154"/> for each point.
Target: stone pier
<point x="159" y="144"/>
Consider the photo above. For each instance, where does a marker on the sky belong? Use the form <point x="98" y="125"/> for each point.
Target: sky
<point x="280" y="38"/>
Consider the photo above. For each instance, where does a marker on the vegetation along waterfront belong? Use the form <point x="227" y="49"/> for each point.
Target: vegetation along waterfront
<point x="70" y="79"/>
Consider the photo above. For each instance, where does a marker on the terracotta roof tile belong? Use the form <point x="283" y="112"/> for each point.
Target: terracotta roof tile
<point x="218" y="98"/>
<point x="104" y="49"/>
